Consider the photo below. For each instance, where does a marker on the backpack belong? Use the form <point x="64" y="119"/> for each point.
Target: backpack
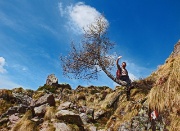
<point x="118" y="73"/>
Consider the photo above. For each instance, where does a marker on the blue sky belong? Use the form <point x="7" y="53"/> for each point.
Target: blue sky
<point x="34" y="33"/>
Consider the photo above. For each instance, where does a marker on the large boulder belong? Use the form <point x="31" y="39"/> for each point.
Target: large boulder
<point x="15" y="109"/>
<point x="47" y="98"/>
<point x="69" y="117"/>
<point x="40" y="110"/>
<point x="64" y="105"/>
<point x="98" y="114"/>
<point x="52" y="80"/>
<point x="85" y="118"/>
<point x="22" y="98"/>
<point x="114" y="98"/>
<point x="13" y="119"/>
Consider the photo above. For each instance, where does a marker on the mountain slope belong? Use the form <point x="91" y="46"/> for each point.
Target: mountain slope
<point x="154" y="104"/>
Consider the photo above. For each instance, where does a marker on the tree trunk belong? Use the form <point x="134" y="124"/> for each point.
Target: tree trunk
<point x="120" y="82"/>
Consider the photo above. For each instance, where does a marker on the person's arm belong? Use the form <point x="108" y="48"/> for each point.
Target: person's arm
<point x="118" y="60"/>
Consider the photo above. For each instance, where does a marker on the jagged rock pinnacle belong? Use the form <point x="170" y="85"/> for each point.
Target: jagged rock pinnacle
<point x="51" y="80"/>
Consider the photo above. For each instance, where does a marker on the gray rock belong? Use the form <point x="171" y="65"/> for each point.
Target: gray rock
<point x="90" y="112"/>
<point x="85" y="119"/>
<point x="99" y="113"/>
<point x="12" y="110"/>
<point x="40" y="110"/>
<point x="22" y="98"/>
<point x="47" y="98"/>
<point x="51" y="80"/>
<point x="61" y="127"/>
<point x="92" y="128"/>
<point x="64" y="112"/>
<point x="64" y="105"/>
<point x="69" y="117"/>
<point x="13" y="118"/>
<point x="114" y="98"/>
<point x="16" y="109"/>
<point x="22" y="108"/>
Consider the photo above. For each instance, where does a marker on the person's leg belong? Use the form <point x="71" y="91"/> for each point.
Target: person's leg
<point x="128" y="88"/>
<point x="121" y="82"/>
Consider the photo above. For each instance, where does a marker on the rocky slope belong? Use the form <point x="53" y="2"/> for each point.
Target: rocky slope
<point x="57" y="107"/>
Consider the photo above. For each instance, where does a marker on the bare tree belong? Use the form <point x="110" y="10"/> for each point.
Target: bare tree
<point x="92" y="57"/>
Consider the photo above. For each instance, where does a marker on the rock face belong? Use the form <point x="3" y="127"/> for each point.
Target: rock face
<point x="176" y="51"/>
<point x="51" y="80"/>
<point x="69" y="116"/>
<point x="40" y="111"/>
<point x="47" y="98"/>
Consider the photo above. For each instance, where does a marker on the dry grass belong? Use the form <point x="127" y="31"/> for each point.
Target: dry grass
<point x="108" y="99"/>
<point x="175" y="123"/>
<point x="6" y="94"/>
<point x="46" y="126"/>
<point x="38" y="94"/>
<point x="4" y="106"/>
<point x="51" y="128"/>
<point x="25" y="124"/>
<point x="50" y="113"/>
<point x="166" y="92"/>
<point x="165" y="95"/>
<point x="157" y="99"/>
<point x="74" y="127"/>
<point x="125" y="111"/>
<point x="81" y="96"/>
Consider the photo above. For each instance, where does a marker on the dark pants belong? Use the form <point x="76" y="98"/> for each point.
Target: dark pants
<point x="128" y="81"/>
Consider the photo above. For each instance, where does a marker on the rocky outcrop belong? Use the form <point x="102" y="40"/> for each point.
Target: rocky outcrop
<point x="22" y="98"/>
<point x="65" y="105"/>
<point x="69" y="116"/>
<point x="51" y="80"/>
<point x="40" y="110"/>
<point x="176" y="51"/>
<point x="47" y="98"/>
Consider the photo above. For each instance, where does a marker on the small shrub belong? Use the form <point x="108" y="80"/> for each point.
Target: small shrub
<point x="47" y="87"/>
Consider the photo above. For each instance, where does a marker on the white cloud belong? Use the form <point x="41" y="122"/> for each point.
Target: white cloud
<point x="132" y="77"/>
<point x="79" y="16"/>
<point x="62" y="11"/>
<point x="50" y="29"/>
<point x="136" y="71"/>
<point x="2" y="64"/>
